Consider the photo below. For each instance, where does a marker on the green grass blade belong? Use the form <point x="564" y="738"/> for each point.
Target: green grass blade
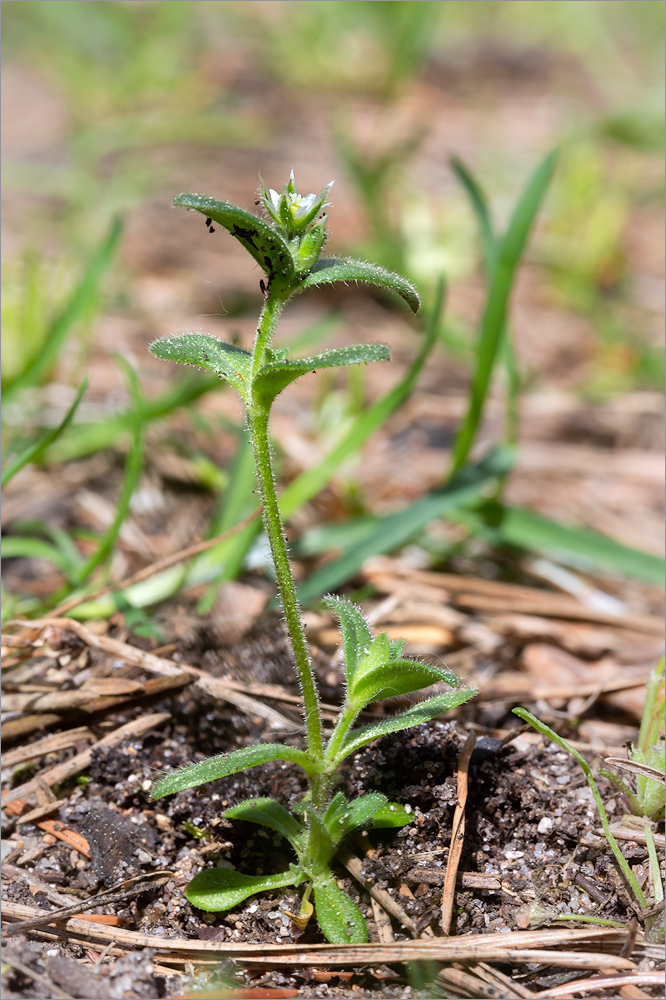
<point x="83" y="299"/>
<point x="224" y="562"/>
<point x="508" y="254"/>
<point x="578" y="547"/>
<point x="312" y="481"/>
<point x="131" y="478"/>
<point x="481" y="209"/>
<point x="390" y="532"/>
<point x="81" y="440"/>
<point x="19" y="547"/>
<point x="39" y="447"/>
<point x="545" y="730"/>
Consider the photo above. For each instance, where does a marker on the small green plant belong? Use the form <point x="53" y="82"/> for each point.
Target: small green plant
<point x="288" y="250"/>
<point x="545" y="730"/>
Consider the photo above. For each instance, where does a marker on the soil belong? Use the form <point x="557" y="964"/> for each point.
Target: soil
<point x="532" y="834"/>
<point x="531" y="823"/>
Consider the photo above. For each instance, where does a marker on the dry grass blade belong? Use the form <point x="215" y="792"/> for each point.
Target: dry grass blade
<point x="354" y="866"/>
<point x="511" y="946"/>
<point x="107" y="898"/>
<point x="598" y="983"/>
<point x="217" y="687"/>
<point x="457" y="833"/>
<point x="635" y="768"/>
<point x="157" y="567"/>
<point x="48" y="744"/>
<point x="60" y="772"/>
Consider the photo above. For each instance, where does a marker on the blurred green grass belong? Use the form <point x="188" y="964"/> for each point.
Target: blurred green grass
<point x="144" y="87"/>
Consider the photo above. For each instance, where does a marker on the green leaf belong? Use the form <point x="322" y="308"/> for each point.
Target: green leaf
<point x="84" y="299"/>
<point x="414" y="716"/>
<point x="230" y="763"/>
<point x="268" y="812"/>
<point x="334" y="815"/>
<point x="219" y="889"/>
<point x="356" y="635"/>
<point x="266" y="246"/>
<point x="395" y="677"/>
<point x="342" y="817"/>
<point x="35" y="450"/>
<point x="362" y="810"/>
<point x="385" y="534"/>
<point x="312" y="480"/>
<point x="339" y="917"/>
<point x="392" y="815"/>
<point x="579" y="547"/>
<point x="329" y="269"/>
<point x="229" y="362"/>
<point x="273" y="377"/>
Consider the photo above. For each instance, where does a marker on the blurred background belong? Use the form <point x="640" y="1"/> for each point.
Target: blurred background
<point x="110" y="109"/>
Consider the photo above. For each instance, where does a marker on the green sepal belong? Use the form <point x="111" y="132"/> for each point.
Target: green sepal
<point x="268" y="812"/>
<point x="276" y="374"/>
<point x="217" y="889"/>
<point x="356" y="635"/>
<point x="230" y="763"/>
<point x="414" y="716"/>
<point x="329" y="269"/>
<point x="392" y="678"/>
<point x="229" y="362"/>
<point x="339" y="917"/>
<point x="266" y="246"/>
<point x="310" y="245"/>
<point x="392" y="815"/>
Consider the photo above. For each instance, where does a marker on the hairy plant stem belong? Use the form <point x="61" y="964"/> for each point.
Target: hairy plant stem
<point x="257" y="417"/>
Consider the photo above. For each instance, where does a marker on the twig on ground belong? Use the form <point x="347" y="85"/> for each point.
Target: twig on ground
<point x="457" y="833"/>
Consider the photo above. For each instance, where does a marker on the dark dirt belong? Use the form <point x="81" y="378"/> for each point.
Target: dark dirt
<point x="531" y="822"/>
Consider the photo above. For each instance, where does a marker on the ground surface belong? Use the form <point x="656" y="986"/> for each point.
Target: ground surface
<point x="591" y="439"/>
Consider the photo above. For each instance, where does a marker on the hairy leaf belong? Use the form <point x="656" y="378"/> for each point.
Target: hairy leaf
<point x="414" y="716"/>
<point x="268" y="812"/>
<point x="395" y="678"/>
<point x="217" y="889"/>
<point x="362" y="810"/>
<point x="273" y="377"/>
<point x="339" y="917"/>
<point x="329" y="269"/>
<point x="333" y="816"/>
<point x="229" y="362"/>
<point x="392" y="815"/>
<point x="266" y="246"/>
<point x="356" y="635"/>
<point x="230" y="763"/>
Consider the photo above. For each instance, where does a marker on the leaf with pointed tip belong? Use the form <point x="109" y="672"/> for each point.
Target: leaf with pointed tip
<point x="334" y="815"/>
<point x="230" y="763"/>
<point x="274" y="376"/>
<point x="414" y="716"/>
<point x="396" y="647"/>
<point x="268" y="812"/>
<point x="338" y="916"/>
<point x="217" y="889"/>
<point x="266" y="246"/>
<point x="392" y="815"/>
<point x="356" y="635"/>
<point x="330" y="269"/>
<point x="393" y="678"/>
<point x="362" y="810"/>
<point x="229" y="362"/>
